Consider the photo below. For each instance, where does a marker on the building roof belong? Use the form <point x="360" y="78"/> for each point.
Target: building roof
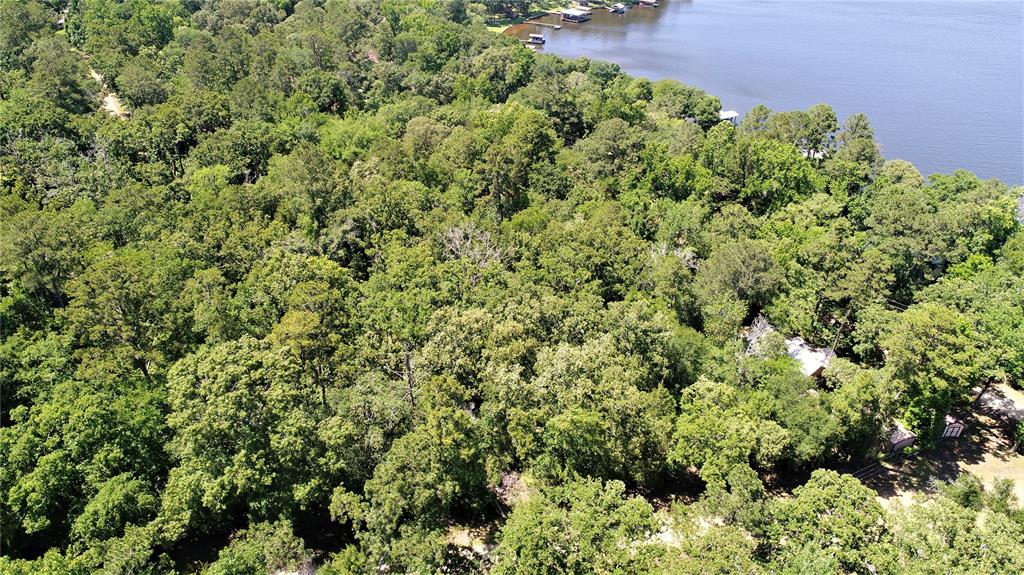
<point x="812" y="154"/>
<point x="900" y="434"/>
<point x="811" y="359"/>
<point x="575" y="12"/>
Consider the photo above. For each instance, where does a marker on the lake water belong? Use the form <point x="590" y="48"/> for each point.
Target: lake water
<point x="941" y="81"/>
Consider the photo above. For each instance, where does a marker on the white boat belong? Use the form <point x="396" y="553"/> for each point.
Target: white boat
<point x="536" y="39"/>
<point x="617" y="8"/>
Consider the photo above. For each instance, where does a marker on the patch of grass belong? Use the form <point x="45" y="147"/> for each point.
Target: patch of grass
<point x="537" y="9"/>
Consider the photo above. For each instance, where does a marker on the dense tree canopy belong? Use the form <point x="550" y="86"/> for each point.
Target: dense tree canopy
<point x="346" y="280"/>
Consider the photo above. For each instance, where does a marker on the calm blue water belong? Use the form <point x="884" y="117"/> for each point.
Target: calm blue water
<point x="941" y="81"/>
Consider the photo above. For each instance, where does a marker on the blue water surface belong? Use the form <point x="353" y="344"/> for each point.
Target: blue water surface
<point x="941" y="81"/>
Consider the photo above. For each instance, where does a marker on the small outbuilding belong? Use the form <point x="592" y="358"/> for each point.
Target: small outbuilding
<point x="954" y="427"/>
<point x="731" y="116"/>
<point x="901" y="438"/>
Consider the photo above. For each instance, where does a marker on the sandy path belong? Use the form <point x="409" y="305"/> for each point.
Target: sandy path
<point x="111" y="102"/>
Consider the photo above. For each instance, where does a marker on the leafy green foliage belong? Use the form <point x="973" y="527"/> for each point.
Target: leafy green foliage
<point x="714" y="435"/>
<point x="264" y="547"/>
<point x="934" y="354"/>
<point x="82" y="462"/>
<point x="582" y="527"/>
<point x="245" y="436"/>
<point x="359" y="275"/>
<point x="831" y="512"/>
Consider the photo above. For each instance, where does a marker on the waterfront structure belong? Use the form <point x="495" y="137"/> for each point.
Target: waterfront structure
<point x="575" y="15"/>
<point x="731" y="116"/>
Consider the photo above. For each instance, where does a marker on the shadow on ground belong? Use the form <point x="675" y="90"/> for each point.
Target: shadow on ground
<point x="985" y="449"/>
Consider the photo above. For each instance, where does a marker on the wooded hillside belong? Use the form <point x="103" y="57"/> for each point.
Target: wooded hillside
<point x="344" y="279"/>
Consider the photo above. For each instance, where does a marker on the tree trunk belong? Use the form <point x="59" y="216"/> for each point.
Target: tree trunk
<point x="141" y="364"/>
<point x="323" y="387"/>
<point x="409" y="381"/>
<point x="984" y="388"/>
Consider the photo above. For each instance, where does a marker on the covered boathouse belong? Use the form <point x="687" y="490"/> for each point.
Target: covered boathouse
<point x="575" y="15"/>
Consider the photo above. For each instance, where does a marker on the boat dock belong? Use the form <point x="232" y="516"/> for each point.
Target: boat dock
<point x="575" y="15"/>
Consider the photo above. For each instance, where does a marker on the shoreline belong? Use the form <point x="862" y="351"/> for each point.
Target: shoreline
<point x="502" y="28"/>
<point x="528" y="19"/>
<point x="741" y="76"/>
<point x="512" y="28"/>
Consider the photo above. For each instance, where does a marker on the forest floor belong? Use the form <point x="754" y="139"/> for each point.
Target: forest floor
<point x="111" y="102"/>
<point x="985" y="449"/>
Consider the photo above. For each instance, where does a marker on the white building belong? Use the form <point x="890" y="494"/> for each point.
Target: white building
<point x="575" y="15"/>
<point x="812" y="360"/>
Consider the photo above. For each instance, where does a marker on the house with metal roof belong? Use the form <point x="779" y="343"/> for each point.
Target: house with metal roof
<point x="812" y="360"/>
